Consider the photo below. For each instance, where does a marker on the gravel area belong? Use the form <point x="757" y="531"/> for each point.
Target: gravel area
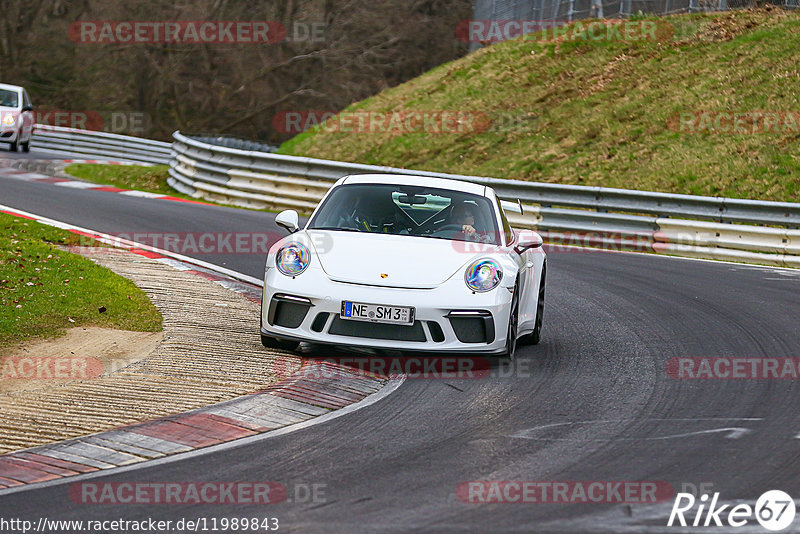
<point x="210" y="351"/>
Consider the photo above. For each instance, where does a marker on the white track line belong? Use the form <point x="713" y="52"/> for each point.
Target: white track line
<point x="385" y="391"/>
<point x="111" y="239"/>
<point x="390" y="387"/>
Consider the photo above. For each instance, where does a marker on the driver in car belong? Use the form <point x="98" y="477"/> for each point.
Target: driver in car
<point x="463" y="215"/>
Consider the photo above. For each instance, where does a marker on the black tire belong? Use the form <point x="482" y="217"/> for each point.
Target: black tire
<point x="274" y="343"/>
<point x="13" y="146"/>
<point x="513" y="322"/>
<point x="534" y="337"/>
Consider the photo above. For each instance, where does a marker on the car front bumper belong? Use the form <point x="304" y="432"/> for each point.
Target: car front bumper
<point x="448" y="318"/>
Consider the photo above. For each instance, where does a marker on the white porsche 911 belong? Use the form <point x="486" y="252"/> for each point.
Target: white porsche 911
<point x="405" y="263"/>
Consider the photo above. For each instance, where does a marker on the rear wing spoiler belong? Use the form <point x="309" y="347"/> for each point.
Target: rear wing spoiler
<point x="507" y="205"/>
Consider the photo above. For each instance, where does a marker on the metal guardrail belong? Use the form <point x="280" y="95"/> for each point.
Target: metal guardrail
<point x="685" y="225"/>
<point x="549" y="13"/>
<point x="92" y="144"/>
<point x="233" y="142"/>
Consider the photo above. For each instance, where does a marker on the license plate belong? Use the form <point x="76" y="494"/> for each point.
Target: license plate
<point x="377" y="313"/>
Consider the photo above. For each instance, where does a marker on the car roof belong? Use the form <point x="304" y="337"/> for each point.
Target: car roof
<point x="10" y="87"/>
<point x="405" y="179"/>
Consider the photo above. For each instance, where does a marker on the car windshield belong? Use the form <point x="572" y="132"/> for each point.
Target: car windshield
<point x="8" y="99"/>
<point x="408" y="210"/>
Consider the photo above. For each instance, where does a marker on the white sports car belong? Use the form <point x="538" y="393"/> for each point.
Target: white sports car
<point x="406" y="263"/>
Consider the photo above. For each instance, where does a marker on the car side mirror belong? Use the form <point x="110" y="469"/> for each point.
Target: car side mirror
<point x="289" y="220"/>
<point x="27" y="108"/>
<point x="528" y="239"/>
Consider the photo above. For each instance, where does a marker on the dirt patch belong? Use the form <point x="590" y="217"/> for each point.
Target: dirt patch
<point x="210" y="352"/>
<point x="81" y="354"/>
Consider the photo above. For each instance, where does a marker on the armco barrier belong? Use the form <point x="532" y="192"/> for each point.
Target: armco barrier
<point x="744" y="230"/>
<point x="751" y="231"/>
<point x="99" y="145"/>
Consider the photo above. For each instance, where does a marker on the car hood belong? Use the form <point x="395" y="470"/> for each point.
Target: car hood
<point x="388" y="260"/>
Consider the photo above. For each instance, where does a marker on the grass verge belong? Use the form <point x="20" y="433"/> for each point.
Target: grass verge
<point x="44" y="290"/>
<point x="150" y="179"/>
<point x="613" y="112"/>
<point x="136" y="177"/>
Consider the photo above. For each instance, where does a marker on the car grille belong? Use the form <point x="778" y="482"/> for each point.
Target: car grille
<point x="319" y="321"/>
<point x="363" y="329"/>
<point x="288" y="311"/>
<point x="472" y="327"/>
<point x="437" y="336"/>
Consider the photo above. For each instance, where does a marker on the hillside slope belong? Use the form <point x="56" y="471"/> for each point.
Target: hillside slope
<point x="708" y="107"/>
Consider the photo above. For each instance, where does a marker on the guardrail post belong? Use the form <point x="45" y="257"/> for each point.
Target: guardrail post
<point x="597" y="9"/>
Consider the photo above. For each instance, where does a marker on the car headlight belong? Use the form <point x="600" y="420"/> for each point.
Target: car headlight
<point x="8" y="120"/>
<point x="292" y="259"/>
<point x="483" y="275"/>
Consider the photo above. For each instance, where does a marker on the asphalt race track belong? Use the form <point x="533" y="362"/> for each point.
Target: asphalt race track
<point x="35" y="153"/>
<point x="592" y="402"/>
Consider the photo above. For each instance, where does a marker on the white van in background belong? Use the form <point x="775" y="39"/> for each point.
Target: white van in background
<point x="16" y="117"/>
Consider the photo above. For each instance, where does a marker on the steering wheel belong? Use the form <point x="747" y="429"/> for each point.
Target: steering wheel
<point x="454" y="227"/>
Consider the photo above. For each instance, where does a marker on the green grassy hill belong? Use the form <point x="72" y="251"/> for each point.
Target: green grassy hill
<point x="653" y="114"/>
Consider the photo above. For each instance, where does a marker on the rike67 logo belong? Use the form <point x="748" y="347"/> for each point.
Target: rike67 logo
<point x="774" y="510"/>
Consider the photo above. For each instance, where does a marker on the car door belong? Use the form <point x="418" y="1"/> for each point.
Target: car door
<point x="526" y="279"/>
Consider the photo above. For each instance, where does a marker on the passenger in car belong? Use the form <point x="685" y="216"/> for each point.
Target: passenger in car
<point x="378" y="214"/>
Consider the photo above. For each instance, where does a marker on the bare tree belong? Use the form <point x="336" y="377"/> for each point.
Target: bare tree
<point x="335" y="52"/>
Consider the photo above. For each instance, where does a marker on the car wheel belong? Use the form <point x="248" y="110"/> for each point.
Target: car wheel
<point x="13" y="146"/>
<point x="274" y="343"/>
<point x="513" y="321"/>
<point x="534" y="337"/>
